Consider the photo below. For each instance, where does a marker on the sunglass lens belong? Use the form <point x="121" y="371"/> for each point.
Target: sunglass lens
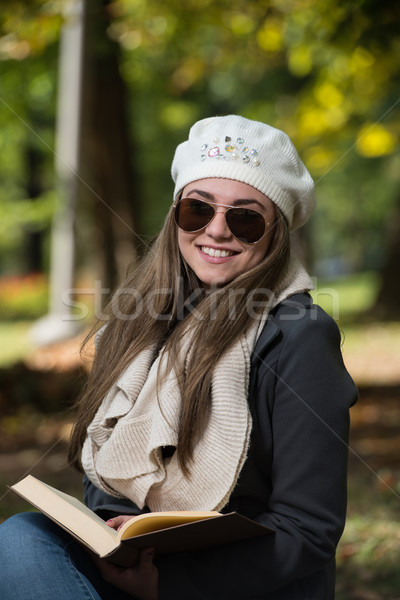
<point x="193" y="215"/>
<point x="247" y="226"/>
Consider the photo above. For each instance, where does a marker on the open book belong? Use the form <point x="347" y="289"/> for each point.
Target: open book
<point x="167" y="532"/>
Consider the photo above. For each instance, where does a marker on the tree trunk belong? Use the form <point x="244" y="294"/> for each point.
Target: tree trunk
<point x="387" y="305"/>
<point x="33" y="259"/>
<point x="110" y="183"/>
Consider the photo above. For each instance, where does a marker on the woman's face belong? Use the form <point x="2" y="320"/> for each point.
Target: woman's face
<point x="202" y="249"/>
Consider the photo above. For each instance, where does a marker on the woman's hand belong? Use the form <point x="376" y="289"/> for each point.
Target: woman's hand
<point x="140" y="581"/>
<point x="117" y="522"/>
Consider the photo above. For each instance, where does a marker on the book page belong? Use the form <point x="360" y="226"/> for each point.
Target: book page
<point x="69" y="513"/>
<point x="156" y="521"/>
<point x="80" y="506"/>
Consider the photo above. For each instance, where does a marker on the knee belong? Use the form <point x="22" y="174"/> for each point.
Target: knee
<point x="17" y="532"/>
<point x="26" y="549"/>
<point x="22" y="535"/>
<point x="22" y="522"/>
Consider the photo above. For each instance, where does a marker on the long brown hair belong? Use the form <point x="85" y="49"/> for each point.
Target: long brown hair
<point x="153" y="307"/>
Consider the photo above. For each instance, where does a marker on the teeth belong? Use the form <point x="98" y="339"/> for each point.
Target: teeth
<point x="216" y="253"/>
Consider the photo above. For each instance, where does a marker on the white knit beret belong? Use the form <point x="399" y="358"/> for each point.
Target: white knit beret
<point x="233" y="147"/>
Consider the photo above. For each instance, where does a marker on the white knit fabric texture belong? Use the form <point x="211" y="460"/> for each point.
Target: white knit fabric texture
<point x="252" y="152"/>
<point x="122" y="453"/>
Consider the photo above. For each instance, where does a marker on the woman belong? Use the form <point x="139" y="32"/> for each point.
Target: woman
<point x="217" y="385"/>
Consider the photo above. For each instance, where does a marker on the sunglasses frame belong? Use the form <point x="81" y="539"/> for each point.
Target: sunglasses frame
<point x="214" y="206"/>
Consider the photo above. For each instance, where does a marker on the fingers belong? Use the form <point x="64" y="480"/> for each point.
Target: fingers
<point x="110" y="573"/>
<point x="117" y="522"/>
<point x="146" y="557"/>
<point x="111" y="523"/>
<point x="140" y="581"/>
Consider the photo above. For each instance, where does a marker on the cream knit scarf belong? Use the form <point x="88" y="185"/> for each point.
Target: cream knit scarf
<point x="122" y="453"/>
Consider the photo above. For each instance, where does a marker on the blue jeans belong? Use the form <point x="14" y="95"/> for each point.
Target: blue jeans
<point x="39" y="560"/>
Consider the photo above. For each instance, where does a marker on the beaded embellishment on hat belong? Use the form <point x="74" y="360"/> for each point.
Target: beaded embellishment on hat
<point x="230" y="150"/>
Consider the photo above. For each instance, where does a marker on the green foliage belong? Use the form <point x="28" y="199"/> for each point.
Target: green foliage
<point x="15" y="341"/>
<point x="28" y="53"/>
<point x="327" y="72"/>
<point x="354" y="206"/>
<point x="348" y="297"/>
<point x="23" y="297"/>
<point x="18" y="214"/>
<point x="28" y="28"/>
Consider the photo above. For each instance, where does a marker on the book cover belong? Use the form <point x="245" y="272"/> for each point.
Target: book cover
<point x="167" y="532"/>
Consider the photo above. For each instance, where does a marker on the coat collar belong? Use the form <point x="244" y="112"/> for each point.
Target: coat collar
<point x="273" y="327"/>
<point x="268" y="334"/>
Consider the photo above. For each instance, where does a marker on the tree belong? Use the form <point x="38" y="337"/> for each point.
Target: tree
<point x="107" y="193"/>
<point x="387" y="304"/>
<point x="326" y="72"/>
<point x="112" y="184"/>
<point x="28" y="59"/>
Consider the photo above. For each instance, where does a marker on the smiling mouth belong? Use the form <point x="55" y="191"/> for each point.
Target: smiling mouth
<point x="216" y="252"/>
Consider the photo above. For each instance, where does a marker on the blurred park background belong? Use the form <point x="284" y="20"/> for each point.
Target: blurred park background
<point x="94" y="97"/>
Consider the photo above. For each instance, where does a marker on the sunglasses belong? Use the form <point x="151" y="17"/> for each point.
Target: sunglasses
<point x="247" y="226"/>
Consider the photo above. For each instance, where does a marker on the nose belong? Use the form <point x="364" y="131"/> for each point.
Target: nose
<point x="218" y="228"/>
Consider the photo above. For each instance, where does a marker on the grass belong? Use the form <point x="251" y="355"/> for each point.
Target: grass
<point x="369" y="551"/>
<point x="347" y="297"/>
<point x="15" y="341"/>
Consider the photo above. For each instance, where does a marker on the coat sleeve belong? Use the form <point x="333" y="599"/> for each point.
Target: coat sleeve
<point x="305" y="395"/>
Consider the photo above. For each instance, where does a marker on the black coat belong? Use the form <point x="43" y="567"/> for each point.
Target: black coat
<point x="294" y="478"/>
